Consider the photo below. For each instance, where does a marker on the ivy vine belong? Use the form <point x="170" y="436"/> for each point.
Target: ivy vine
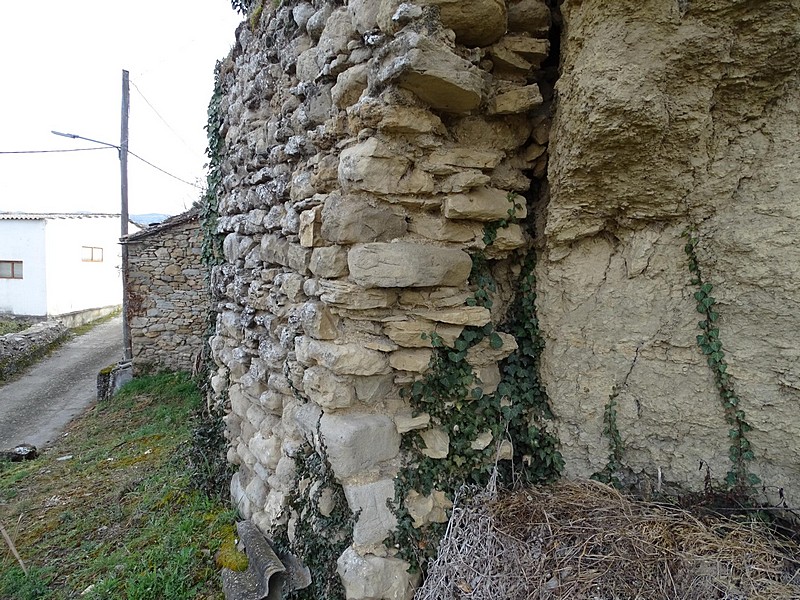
<point x="241" y="6"/>
<point x="609" y="473"/>
<point x="212" y="471"/>
<point x="738" y="479"/>
<point x="319" y="539"/>
<point x="452" y="395"/>
<point x="211" y="245"/>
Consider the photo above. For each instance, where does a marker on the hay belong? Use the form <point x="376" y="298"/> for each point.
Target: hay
<point x="584" y="540"/>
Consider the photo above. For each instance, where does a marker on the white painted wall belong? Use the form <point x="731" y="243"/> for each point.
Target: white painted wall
<point x="73" y="284"/>
<point x="56" y="280"/>
<point x="24" y="240"/>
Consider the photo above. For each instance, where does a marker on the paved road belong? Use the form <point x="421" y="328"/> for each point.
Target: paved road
<point x="36" y="406"/>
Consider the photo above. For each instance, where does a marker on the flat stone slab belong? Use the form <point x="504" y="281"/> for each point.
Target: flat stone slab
<point x="404" y="264"/>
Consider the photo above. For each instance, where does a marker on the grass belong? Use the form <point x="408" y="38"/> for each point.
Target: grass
<point x="12" y="326"/>
<point x="120" y="518"/>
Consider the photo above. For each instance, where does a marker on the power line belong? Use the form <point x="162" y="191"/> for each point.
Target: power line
<point x="50" y="151"/>
<point x="163" y="120"/>
<point x="144" y="160"/>
<point x="147" y="162"/>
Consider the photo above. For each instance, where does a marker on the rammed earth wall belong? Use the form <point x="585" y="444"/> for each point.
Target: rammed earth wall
<point x="677" y="122"/>
<point x="167" y="295"/>
<point x="368" y="148"/>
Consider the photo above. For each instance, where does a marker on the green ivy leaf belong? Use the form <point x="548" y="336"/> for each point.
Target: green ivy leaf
<point x="495" y="341"/>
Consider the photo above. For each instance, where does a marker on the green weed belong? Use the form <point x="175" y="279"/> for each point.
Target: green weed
<point x="120" y="519"/>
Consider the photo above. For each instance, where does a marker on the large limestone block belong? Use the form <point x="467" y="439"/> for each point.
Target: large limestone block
<point x="529" y="16"/>
<point x="236" y="246"/>
<point x="349" y="86"/>
<point x="318" y="322"/>
<point x="416" y="360"/>
<point x="373" y="577"/>
<point x="275" y="250"/>
<point x="405" y="264"/>
<point x="437" y="443"/>
<point x="446" y="161"/>
<point x="267" y="450"/>
<point x="431" y="70"/>
<point x="475" y="23"/>
<point x="519" y="53"/>
<point x="328" y="389"/>
<point x="483" y="353"/>
<point x="351" y="219"/>
<point x="364" y="14"/>
<point x="310" y="221"/>
<point x="444" y="230"/>
<point x="409" y="119"/>
<point x="416" y="333"/>
<point x="502" y="133"/>
<point x="348" y="295"/>
<point x="476" y="316"/>
<point x="375" y="166"/>
<point x="482" y="204"/>
<point x="358" y="442"/>
<point x="302" y="418"/>
<point x="519" y="100"/>
<point x="375" y="519"/>
<point x="407" y="422"/>
<point x="374" y="389"/>
<point x="342" y="359"/>
<point x="508" y="238"/>
<point x="328" y="262"/>
<point x="339" y="30"/>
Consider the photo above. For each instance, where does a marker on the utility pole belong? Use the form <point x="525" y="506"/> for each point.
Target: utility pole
<point x="127" y="352"/>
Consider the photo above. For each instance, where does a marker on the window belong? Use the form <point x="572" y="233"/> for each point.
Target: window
<point x="91" y="254"/>
<point x="10" y="269"/>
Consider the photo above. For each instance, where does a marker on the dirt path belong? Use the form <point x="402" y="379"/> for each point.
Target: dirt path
<point x="35" y="407"/>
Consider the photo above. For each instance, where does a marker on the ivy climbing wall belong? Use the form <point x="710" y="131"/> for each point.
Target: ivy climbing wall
<point x="668" y="290"/>
<point x="375" y="171"/>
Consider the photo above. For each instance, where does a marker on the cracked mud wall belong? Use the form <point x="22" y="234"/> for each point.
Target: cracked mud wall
<point x="669" y="115"/>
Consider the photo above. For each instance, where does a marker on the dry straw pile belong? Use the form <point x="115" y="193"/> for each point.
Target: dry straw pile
<point x="584" y="540"/>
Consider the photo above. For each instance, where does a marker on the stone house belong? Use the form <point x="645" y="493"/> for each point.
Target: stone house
<point x="167" y="298"/>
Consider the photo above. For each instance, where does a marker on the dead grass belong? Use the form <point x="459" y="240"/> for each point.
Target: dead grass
<point x="585" y="540"/>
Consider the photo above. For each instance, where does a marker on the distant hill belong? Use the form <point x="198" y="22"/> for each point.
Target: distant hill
<point x="148" y="219"/>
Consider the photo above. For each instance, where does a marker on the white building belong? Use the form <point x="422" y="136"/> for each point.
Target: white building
<point x="64" y="265"/>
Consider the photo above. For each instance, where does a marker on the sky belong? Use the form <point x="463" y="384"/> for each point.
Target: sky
<point x="61" y="69"/>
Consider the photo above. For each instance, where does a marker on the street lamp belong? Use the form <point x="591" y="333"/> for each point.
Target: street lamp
<point x="123" y="169"/>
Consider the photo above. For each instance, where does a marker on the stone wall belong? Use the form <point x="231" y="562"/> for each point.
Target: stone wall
<point x="675" y="115"/>
<point x="20" y="349"/>
<point x="167" y="295"/>
<point x="367" y="145"/>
